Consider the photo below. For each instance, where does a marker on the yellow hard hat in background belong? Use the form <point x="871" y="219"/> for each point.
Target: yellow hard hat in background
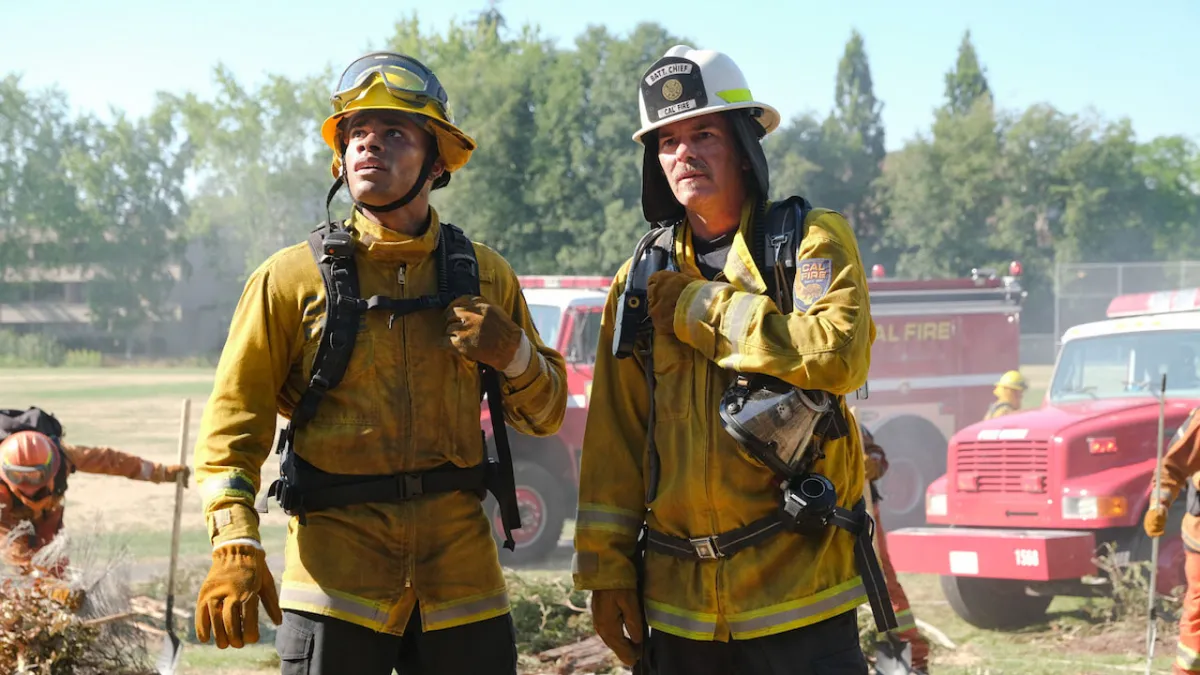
<point x="1013" y="379"/>
<point x="390" y="81"/>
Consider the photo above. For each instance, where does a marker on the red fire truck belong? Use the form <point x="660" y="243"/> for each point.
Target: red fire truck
<point x="566" y="312"/>
<point x="940" y="347"/>
<point x="1030" y="498"/>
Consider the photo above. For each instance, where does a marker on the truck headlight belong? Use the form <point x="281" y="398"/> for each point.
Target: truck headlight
<point x="935" y="505"/>
<point x="1092" y="508"/>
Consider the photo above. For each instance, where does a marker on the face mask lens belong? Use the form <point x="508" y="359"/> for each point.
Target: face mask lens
<point x="775" y="421"/>
<point x="25" y="475"/>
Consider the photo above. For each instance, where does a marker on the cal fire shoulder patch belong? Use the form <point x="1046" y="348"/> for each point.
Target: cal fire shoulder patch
<point x="813" y="276"/>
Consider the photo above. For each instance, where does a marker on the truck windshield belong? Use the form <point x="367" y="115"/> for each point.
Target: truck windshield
<point x="546" y="321"/>
<point x="585" y="339"/>
<point x="1130" y="364"/>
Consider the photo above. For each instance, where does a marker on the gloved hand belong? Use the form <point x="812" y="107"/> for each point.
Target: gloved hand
<point x="663" y="290"/>
<point x="166" y="473"/>
<point x="1156" y="520"/>
<point x="873" y="465"/>
<point x="482" y="332"/>
<point x="613" y="610"/>
<point x="228" y="603"/>
<point x="70" y="598"/>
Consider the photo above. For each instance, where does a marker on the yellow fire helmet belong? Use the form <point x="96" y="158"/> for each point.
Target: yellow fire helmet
<point x="390" y="81"/>
<point x="1013" y="379"/>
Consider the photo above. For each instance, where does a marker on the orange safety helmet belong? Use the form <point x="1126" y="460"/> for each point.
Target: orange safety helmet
<point x="29" y="461"/>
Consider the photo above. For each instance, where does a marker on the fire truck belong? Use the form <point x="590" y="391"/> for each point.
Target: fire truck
<point x="940" y="347"/>
<point x="1033" y="501"/>
<point x="566" y="312"/>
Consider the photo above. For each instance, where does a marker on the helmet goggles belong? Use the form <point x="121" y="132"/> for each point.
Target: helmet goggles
<point x="404" y="77"/>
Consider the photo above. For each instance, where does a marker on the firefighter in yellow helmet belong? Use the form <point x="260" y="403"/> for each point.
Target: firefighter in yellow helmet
<point x="375" y="339"/>
<point x="685" y="520"/>
<point x="1008" y="392"/>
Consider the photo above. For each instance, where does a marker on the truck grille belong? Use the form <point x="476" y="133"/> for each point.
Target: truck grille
<point x="1002" y="466"/>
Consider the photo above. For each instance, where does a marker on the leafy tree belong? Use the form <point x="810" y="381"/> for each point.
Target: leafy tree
<point x="128" y="177"/>
<point x="967" y="83"/>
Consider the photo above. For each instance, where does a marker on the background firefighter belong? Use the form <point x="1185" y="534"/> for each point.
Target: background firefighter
<point x="1009" y="391"/>
<point x="876" y="466"/>
<point x="33" y="471"/>
<point x="1181" y="469"/>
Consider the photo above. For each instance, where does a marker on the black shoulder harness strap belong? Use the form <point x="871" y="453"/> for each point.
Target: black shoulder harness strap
<point x="302" y="486"/>
<point x="778" y="236"/>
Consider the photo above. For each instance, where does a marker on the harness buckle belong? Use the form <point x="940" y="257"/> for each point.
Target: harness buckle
<point x="706" y="548"/>
<point x="411" y="485"/>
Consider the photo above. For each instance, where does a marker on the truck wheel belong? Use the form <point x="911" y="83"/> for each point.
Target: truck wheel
<point x="916" y="453"/>
<point x="994" y="604"/>
<point x="543" y="510"/>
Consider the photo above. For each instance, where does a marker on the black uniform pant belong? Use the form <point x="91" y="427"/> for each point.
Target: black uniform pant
<point x="311" y="644"/>
<point x="829" y="647"/>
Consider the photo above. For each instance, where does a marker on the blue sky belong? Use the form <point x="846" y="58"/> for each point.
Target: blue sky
<point x="1135" y="60"/>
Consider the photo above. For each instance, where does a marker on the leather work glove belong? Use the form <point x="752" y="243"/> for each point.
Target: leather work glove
<point x="873" y="465"/>
<point x="613" y="610"/>
<point x="482" y="332"/>
<point x="71" y="599"/>
<point x="228" y="604"/>
<point x="663" y="290"/>
<point x="1156" y="520"/>
<point x="166" y="473"/>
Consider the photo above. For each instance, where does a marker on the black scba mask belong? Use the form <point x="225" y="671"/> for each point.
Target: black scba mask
<point x="785" y="428"/>
<point x="776" y="422"/>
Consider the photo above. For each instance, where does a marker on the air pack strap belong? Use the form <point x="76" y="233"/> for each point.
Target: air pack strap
<point x="302" y="485"/>
<point x="857" y="522"/>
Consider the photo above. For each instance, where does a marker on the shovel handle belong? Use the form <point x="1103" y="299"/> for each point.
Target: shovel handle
<point x="184" y="419"/>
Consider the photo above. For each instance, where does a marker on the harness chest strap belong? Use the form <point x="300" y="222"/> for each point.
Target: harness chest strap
<point x="314" y="489"/>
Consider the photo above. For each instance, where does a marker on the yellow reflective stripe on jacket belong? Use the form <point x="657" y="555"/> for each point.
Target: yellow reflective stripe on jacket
<point x="789" y="615"/>
<point x="466" y="611"/>
<point x="233" y="484"/>
<point x="358" y="611"/>
<point x="679" y="622"/>
<point x="1186" y="658"/>
<point x="608" y="518"/>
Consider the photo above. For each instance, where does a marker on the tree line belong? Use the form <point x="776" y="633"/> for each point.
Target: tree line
<point x="556" y="181"/>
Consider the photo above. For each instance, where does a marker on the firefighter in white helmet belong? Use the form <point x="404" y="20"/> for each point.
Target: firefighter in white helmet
<point x="730" y="579"/>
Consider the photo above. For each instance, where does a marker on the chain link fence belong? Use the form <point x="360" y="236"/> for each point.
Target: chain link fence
<point x="1082" y="291"/>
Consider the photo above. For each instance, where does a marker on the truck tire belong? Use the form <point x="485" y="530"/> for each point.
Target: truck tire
<point x="994" y="604"/>
<point x="543" y="507"/>
<point x="916" y="453"/>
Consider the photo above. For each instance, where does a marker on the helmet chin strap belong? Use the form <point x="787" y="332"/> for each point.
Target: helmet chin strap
<point x="426" y="169"/>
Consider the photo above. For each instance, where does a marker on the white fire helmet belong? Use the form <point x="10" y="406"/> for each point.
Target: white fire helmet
<point x="687" y="83"/>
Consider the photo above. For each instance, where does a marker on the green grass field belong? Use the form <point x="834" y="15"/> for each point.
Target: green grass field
<point x="138" y="410"/>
